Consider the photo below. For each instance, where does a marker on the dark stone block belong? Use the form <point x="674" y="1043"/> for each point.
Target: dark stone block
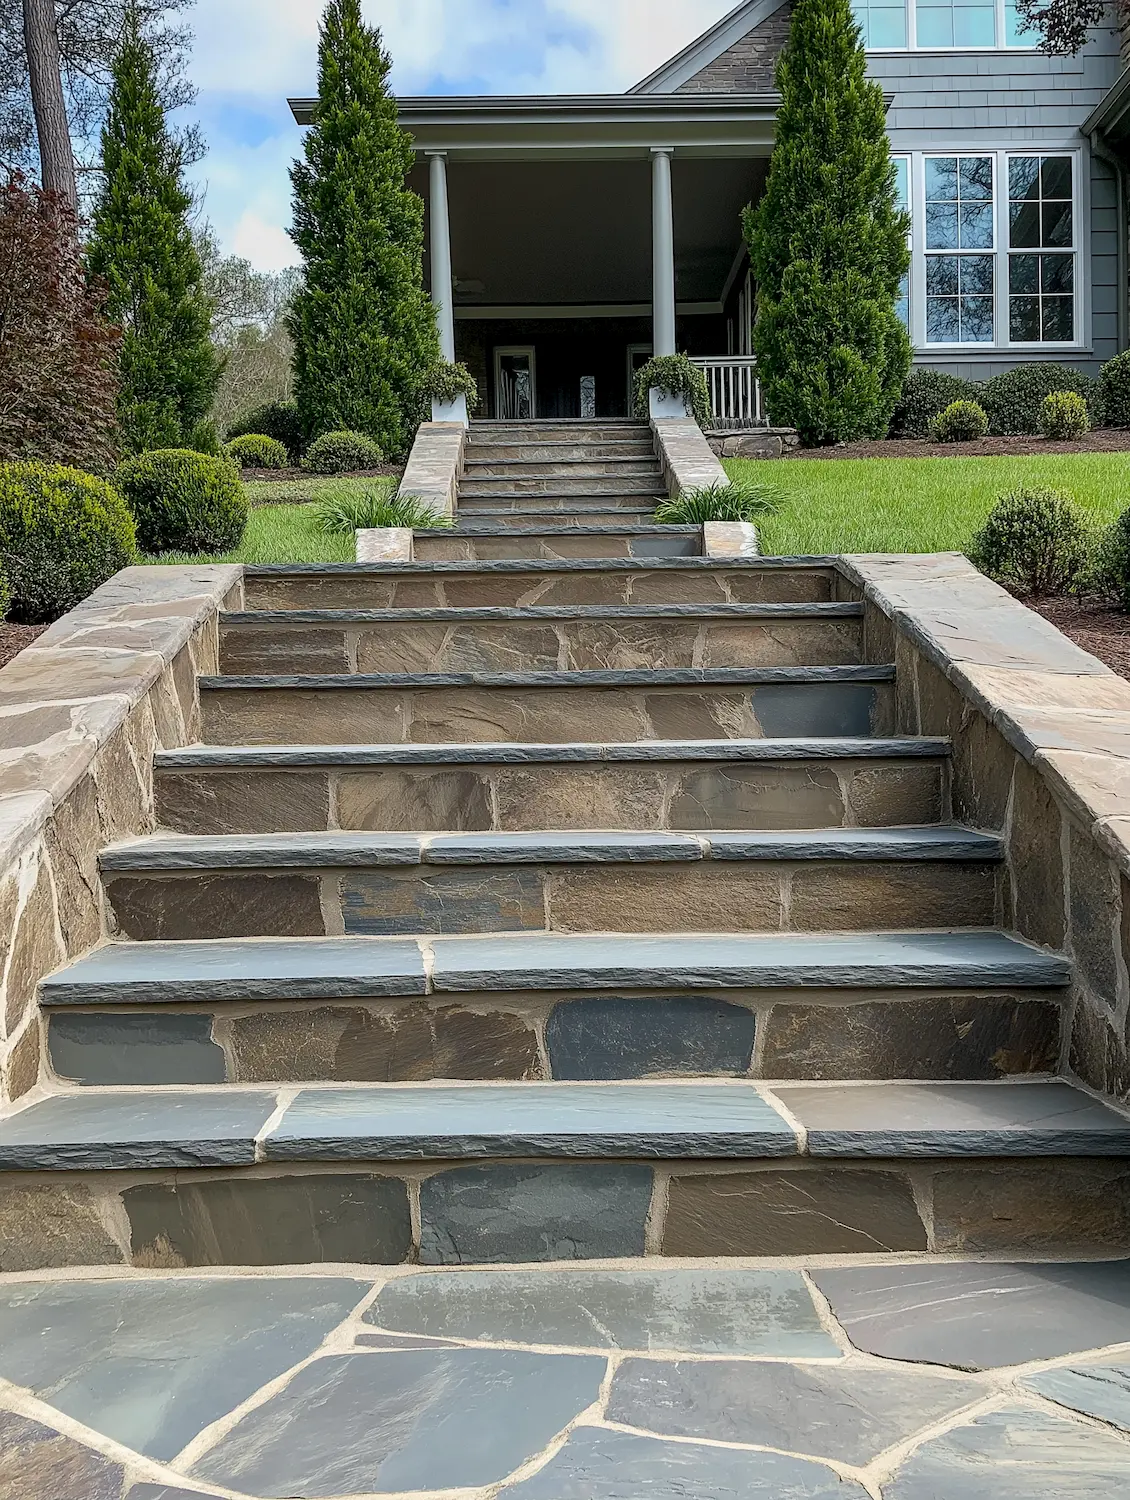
<point x="738" y="796"/>
<point x="91" y="1348"/>
<point x="439" y="900"/>
<point x="936" y="1314"/>
<point x="505" y="1214"/>
<point x="435" y="1419"/>
<point x="1036" y="858"/>
<point x="851" y="1415"/>
<point x="1095" y="916"/>
<point x="831" y="1211"/>
<point x="824" y="709"/>
<point x="98" y="1048"/>
<point x="251" y="801"/>
<point x="39" y="1464"/>
<point x="273" y="1221"/>
<point x="1060" y="1206"/>
<point x="217" y="906"/>
<point x="616" y="1038"/>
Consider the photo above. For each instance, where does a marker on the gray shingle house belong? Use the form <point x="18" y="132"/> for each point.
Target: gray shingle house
<point x="580" y="233"/>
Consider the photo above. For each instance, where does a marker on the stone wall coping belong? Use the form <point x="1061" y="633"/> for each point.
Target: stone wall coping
<point x="435" y="465"/>
<point x="730" y="539"/>
<point x="377" y="544"/>
<point x="63" y="698"/>
<point x="688" y="461"/>
<point x="1060" y="708"/>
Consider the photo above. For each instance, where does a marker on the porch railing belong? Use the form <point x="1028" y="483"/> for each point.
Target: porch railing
<point x="735" y="391"/>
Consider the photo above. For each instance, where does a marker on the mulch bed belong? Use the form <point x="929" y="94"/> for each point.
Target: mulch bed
<point x="1102" y="440"/>
<point x="13" y="639"/>
<point x="1092" y="624"/>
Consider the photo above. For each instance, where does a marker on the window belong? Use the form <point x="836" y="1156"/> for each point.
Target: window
<point x="957" y="23"/>
<point x="882" y="25"/>
<point x="1041" y="259"/>
<point x="959" y="223"/>
<point x="944" y="24"/>
<point x="902" y="192"/>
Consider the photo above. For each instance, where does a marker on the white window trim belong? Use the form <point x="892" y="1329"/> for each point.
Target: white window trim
<point x="912" y="37"/>
<point x="1001" y="342"/>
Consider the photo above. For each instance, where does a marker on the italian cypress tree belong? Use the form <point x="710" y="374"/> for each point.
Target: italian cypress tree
<point x="142" y="246"/>
<point x="364" y="329"/>
<point x="828" y="240"/>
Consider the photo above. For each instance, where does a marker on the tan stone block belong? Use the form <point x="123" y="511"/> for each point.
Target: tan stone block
<point x="283" y="716"/>
<point x="530" y="798"/>
<point x="892" y="795"/>
<point x="982" y="770"/>
<point x="1095" y="908"/>
<point x="780" y="585"/>
<point x="864" y="896"/>
<point x="1058" y="1206"/>
<point x="408" y="801"/>
<point x="478" y="715"/>
<point x="73" y="839"/>
<point x="701" y="897"/>
<point x="784" y="644"/>
<point x="683" y="714"/>
<point x="37" y="950"/>
<point x="1036" y="858"/>
<point x="22" y="1068"/>
<point x="676" y="588"/>
<point x="50" y="1226"/>
<point x="628" y="646"/>
<point x="879" y="634"/>
<point x="123" y="799"/>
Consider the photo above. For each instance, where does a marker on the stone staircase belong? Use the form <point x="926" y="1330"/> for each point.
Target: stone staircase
<point x="540" y="904"/>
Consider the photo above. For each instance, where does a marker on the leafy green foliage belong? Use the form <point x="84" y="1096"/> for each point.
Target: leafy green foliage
<point x="363" y="327"/>
<point x="1111" y="570"/>
<point x="447" y="382"/>
<point x="1036" y="541"/>
<point x="1114" y="391"/>
<point x="925" y="395"/>
<point x="142" y="247"/>
<point x="1064" y="415"/>
<point x="961" y="422"/>
<point x="343" y="514"/>
<point x="206" y="438"/>
<point x="741" y="500"/>
<point x="5" y="594"/>
<point x="276" y="419"/>
<point x="342" y="453"/>
<point x="257" y="451"/>
<point x="184" y="501"/>
<point x="1012" y="401"/>
<point x="828" y="240"/>
<point x="63" y="533"/>
<point x="673" y="375"/>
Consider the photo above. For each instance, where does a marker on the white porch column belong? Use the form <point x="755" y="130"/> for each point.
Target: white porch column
<point x="442" y="294"/>
<point x="663" y="242"/>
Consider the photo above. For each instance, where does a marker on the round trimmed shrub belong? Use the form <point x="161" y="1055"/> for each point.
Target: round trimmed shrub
<point x="1012" y="401"/>
<point x="1036" y="541"/>
<point x="1111" y="573"/>
<point x="343" y="453"/>
<point x="961" y="422"/>
<point x="925" y="395"/>
<point x="184" y="501"/>
<point x="276" y="419"/>
<point x="257" y="451"/>
<point x="1063" y="415"/>
<point x="63" y="533"/>
<point x="1114" y="391"/>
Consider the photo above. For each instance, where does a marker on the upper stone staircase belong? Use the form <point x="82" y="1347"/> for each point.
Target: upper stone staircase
<point x="564" y="893"/>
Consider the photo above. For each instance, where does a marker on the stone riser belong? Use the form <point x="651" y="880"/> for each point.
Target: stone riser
<point x="505" y="546"/>
<point x="538" y="646"/>
<point x="642" y="449"/>
<point x="705" y="896"/>
<point x="553" y="507"/>
<point x="367" y="715"/>
<point x="530" y="519"/>
<point x="647" y="483"/>
<point x="823" y="1035"/>
<point x="518" y="798"/>
<point x="514" y="1212"/>
<point x="413" y="589"/>
<point x="584" y="435"/>
<point x="554" y="468"/>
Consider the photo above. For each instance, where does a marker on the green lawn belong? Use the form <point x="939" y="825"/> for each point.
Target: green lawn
<point x="915" y="504"/>
<point x="260" y="491"/>
<point x="277" y="534"/>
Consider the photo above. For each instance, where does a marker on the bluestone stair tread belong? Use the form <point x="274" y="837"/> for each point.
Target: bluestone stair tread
<point x="281" y="969"/>
<point x="641" y="678"/>
<point x="203" y="757"/>
<point x="543" y="565"/>
<point x="816" y="610"/>
<point x="336" y="850"/>
<point x="493" y="529"/>
<point x="122" y="1129"/>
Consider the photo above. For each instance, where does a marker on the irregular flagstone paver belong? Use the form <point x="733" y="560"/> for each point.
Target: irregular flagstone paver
<point x="163" y="1492"/>
<point x="1016" y="1454"/>
<point x="849" y="1413"/>
<point x="700" y="1311"/>
<point x="39" y="1464"/>
<point x="152" y="1363"/>
<point x="1099" y="1390"/>
<point x="980" y="1316"/>
<point x="431" y="1420"/>
<point x="600" y="1465"/>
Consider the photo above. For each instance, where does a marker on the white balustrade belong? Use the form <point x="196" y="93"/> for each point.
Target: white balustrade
<point x="735" y="391"/>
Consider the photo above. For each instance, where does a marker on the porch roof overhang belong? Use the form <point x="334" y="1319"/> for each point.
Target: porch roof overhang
<point x="585" y="126"/>
<point x="1110" y="118"/>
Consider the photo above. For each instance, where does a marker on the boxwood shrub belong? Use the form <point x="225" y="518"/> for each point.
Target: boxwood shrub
<point x="1114" y="391"/>
<point x="1012" y="401"/>
<point x="1036" y="541"/>
<point x="925" y="395"/>
<point x="343" y="453"/>
<point x="257" y="451"/>
<point x="184" y="501"/>
<point x="961" y="422"/>
<point x="276" y="419"/>
<point x="1064" y="415"/>
<point x="63" y="533"/>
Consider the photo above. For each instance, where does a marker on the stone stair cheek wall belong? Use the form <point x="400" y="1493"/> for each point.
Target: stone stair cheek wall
<point x="1041" y="733"/>
<point x="86" y="708"/>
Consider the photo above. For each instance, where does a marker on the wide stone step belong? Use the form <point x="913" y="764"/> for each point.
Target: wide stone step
<point x="534" y="1172"/>
<point x="542" y="638"/>
<point x="730" y="784"/>
<point x="646" y="483"/>
<point x="766" y="702"/>
<point x="684" y="580"/>
<point x="320" y="885"/>
<point x="472" y="542"/>
<point x="587" y="466"/>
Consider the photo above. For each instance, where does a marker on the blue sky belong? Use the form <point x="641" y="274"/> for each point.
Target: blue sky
<point x="250" y="54"/>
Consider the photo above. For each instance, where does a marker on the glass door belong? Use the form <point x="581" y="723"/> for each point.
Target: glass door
<point x="515" y="384"/>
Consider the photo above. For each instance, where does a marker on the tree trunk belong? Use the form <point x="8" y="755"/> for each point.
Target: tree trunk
<point x="56" y="157"/>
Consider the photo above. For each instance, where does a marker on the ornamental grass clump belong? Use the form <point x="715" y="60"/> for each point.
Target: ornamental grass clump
<point x="63" y="533"/>
<point x="719" y="502"/>
<point x="184" y="501"/>
<point x="961" y="422"/>
<point x="343" y="453"/>
<point x="1037" y="542"/>
<point x="343" y="514"/>
<point x="1063" y="416"/>
<point x="257" y="451"/>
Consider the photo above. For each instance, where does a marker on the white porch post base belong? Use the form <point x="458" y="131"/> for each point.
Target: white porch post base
<point x="666" y="408"/>
<point x="451" y="411"/>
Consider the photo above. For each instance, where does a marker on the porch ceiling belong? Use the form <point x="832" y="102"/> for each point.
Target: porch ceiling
<point x="579" y="232"/>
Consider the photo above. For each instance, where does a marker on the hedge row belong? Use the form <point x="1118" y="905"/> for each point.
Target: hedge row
<point x="1013" y="401"/>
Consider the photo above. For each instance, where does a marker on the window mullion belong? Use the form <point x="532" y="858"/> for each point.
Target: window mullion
<point x="912" y="23"/>
<point x="1000" y="260"/>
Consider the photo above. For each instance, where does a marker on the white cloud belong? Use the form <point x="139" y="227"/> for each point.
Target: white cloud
<point x="267" y="246"/>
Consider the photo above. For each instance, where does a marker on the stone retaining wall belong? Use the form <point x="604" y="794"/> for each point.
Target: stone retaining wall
<point x="81" y="714"/>
<point x="1041" y="735"/>
<point x="435" y="465"/>
<point x="685" y="456"/>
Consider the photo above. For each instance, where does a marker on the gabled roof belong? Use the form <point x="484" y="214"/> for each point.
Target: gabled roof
<point x="709" y="46"/>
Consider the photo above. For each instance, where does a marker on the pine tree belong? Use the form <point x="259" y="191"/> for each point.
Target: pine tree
<point x="142" y="246"/>
<point x="364" y="328"/>
<point x="828" y="240"/>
